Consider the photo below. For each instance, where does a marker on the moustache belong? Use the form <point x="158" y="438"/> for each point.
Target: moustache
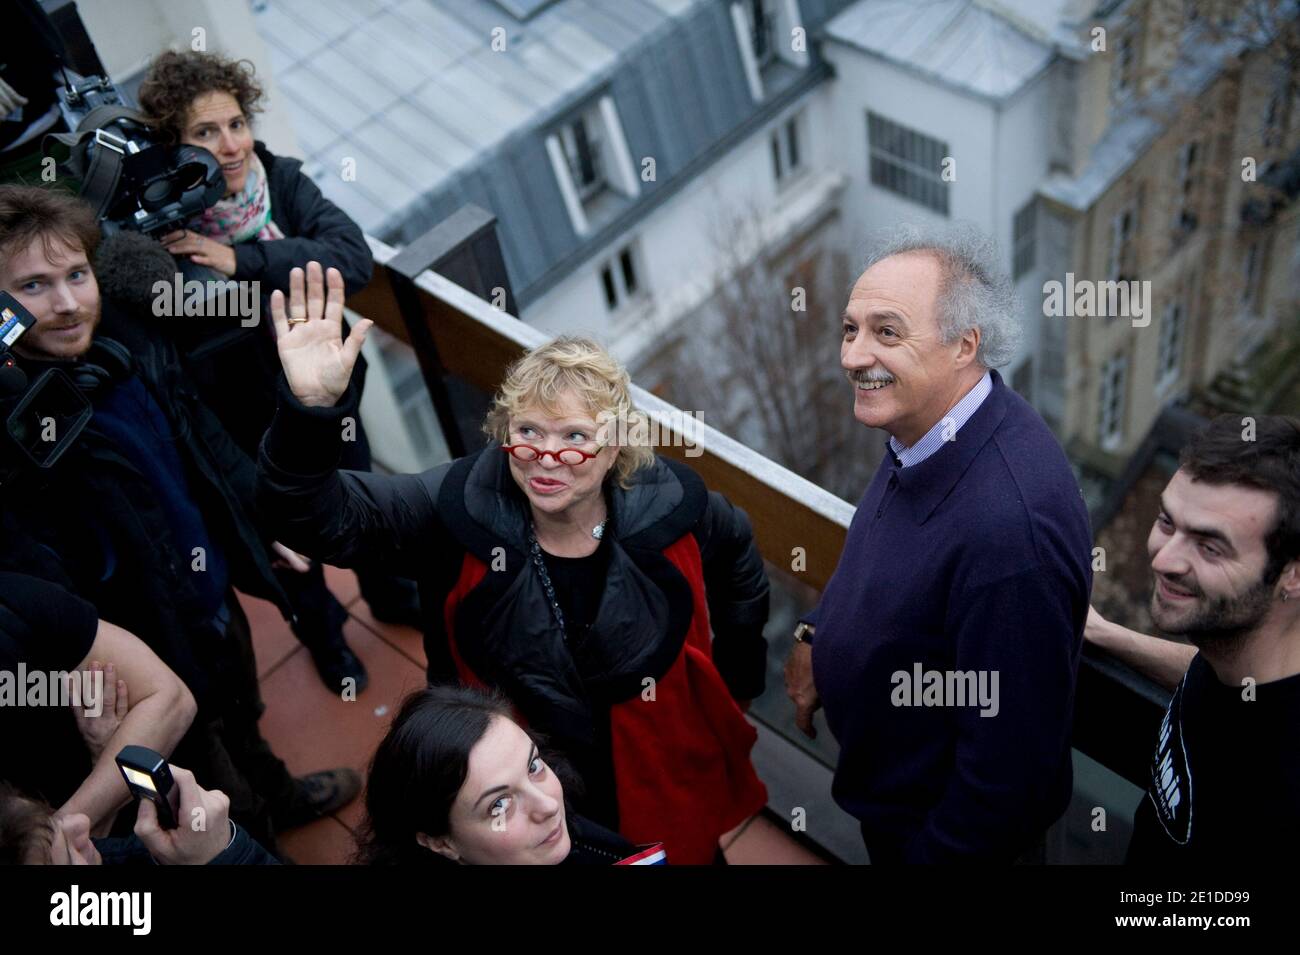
<point x="82" y="316"/>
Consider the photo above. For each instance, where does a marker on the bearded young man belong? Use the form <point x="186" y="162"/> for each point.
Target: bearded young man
<point x="150" y="511"/>
<point x="1225" y="555"/>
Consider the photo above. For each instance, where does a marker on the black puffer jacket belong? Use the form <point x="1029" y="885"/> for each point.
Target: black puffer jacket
<point x="422" y="525"/>
<point x="235" y="368"/>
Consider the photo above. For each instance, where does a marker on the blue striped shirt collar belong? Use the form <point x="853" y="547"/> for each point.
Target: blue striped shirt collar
<point x="948" y="425"/>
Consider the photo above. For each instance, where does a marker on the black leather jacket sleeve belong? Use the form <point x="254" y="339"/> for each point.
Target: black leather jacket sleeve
<point x="735" y="582"/>
<point x="344" y="518"/>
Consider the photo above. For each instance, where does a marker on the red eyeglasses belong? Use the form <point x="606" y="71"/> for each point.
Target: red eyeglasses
<point x="569" y="456"/>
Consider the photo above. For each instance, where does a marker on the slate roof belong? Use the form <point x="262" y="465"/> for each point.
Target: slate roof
<point x="412" y="91"/>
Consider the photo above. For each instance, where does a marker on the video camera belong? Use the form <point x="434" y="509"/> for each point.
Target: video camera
<point x="135" y="181"/>
<point x="37" y="423"/>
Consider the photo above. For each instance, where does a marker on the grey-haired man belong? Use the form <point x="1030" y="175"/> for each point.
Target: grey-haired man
<point x="947" y="641"/>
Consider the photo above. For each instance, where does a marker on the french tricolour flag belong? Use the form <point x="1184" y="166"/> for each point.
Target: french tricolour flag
<point x="647" y="855"/>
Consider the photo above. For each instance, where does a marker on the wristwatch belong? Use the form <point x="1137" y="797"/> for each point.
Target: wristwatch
<point x="803" y="632"/>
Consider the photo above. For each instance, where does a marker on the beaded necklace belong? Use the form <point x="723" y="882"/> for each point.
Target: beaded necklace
<point x="540" y="563"/>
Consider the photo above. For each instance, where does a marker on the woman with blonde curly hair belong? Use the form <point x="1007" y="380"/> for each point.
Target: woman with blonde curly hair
<point x="578" y="576"/>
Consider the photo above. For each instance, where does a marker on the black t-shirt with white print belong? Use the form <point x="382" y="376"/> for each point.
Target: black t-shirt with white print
<point x="1225" y="779"/>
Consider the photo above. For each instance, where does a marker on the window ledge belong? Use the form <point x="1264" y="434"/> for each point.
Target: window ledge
<point x="604" y="207"/>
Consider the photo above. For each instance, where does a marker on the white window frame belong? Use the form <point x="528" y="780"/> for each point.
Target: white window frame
<point x="1122" y="240"/>
<point x="1111" y="401"/>
<point x="1024" y="239"/>
<point x="592" y="130"/>
<point x="1189" y="156"/>
<point x="784" y="167"/>
<point x="611" y="159"/>
<point x="784" y="18"/>
<point x="1172" y="344"/>
<point x="624" y="297"/>
<point x="917" y="177"/>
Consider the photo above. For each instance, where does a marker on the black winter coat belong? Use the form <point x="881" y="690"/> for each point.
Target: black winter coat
<point x="415" y="527"/>
<point x="94" y="502"/>
<point x="235" y="368"/>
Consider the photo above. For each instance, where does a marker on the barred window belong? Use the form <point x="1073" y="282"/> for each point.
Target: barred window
<point x="907" y="163"/>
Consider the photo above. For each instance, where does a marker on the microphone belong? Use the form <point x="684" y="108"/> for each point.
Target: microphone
<point x="129" y="265"/>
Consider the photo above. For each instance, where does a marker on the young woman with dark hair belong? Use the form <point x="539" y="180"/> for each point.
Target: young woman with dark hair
<point x="457" y="780"/>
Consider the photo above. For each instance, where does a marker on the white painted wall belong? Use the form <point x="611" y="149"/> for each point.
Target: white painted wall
<point x="1023" y="125"/>
<point x="129" y="33"/>
<point x="964" y="122"/>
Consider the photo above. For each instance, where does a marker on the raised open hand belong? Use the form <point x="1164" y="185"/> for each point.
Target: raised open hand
<point x="309" y="336"/>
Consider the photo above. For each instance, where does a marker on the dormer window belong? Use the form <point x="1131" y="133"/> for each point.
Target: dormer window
<point x="592" y="165"/>
<point x="765" y="34"/>
<point x="581" y="142"/>
<point x="762" y="23"/>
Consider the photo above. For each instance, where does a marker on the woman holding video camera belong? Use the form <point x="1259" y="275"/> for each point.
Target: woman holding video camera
<point x="272" y="218"/>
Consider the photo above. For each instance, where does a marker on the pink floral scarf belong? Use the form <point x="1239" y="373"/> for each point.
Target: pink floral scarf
<point x="243" y="216"/>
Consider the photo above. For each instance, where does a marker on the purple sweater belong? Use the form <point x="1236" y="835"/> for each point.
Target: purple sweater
<point x="947" y="642"/>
